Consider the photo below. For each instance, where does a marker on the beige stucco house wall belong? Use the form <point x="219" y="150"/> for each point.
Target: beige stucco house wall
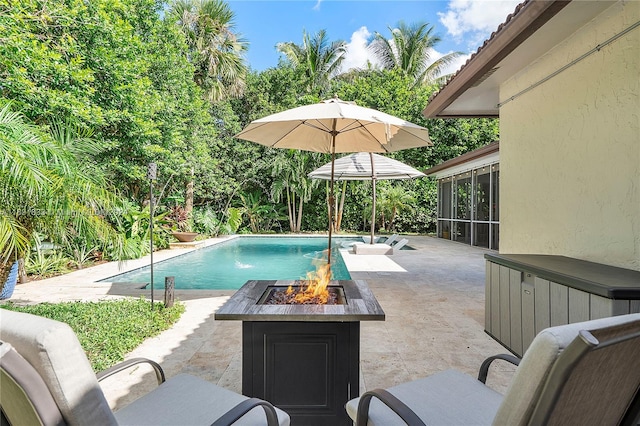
<point x="570" y="148"/>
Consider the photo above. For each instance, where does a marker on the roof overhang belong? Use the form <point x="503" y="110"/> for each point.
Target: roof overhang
<point x="486" y="155"/>
<point x="532" y="30"/>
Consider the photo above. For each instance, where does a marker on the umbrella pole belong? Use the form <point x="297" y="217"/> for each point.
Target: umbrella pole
<point x="331" y="197"/>
<point x="373" y="205"/>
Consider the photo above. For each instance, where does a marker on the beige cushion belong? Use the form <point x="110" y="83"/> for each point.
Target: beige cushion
<point x="446" y="398"/>
<point x="53" y="350"/>
<point x="530" y="376"/>
<point x="24" y="397"/>
<point x="188" y="400"/>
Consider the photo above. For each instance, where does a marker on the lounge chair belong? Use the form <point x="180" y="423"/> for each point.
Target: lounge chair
<point x="401" y="243"/>
<point x="391" y="239"/>
<point x="580" y="373"/>
<point x="45" y="378"/>
<point x="367" y="239"/>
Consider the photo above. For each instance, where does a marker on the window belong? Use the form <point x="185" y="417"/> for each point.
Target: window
<point x="495" y="192"/>
<point x="482" y="194"/>
<point x="468" y="207"/>
<point x="463" y="196"/>
<point x="445" y="198"/>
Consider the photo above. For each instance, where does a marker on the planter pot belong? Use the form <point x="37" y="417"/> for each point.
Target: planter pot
<point x="10" y="283"/>
<point x="185" y="237"/>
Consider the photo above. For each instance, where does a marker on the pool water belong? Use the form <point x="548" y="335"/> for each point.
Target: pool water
<point x="228" y="265"/>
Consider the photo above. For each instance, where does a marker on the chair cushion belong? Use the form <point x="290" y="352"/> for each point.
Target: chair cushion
<point x="24" y="397"/>
<point x="54" y="351"/>
<point x="449" y="397"/>
<point x="530" y="376"/>
<point x="188" y="400"/>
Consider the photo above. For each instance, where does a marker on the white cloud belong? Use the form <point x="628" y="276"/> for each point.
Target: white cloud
<point x="317" y="6"/>
<point x="357" y="53"/>
<point x="475" y="20"/>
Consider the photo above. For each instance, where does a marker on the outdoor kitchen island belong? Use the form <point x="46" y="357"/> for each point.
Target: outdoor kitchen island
<point x="302" y="358"/>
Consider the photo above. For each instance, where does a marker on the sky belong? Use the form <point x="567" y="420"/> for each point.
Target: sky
<point x="463" y="25"/>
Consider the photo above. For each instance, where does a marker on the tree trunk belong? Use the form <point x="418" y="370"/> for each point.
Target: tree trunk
<point x="292" y="226"/>
<point x="299" y="224"/>
<point x="188" y="200"/>
<point x="393" y="217"/>
<point x="22" y="273"/>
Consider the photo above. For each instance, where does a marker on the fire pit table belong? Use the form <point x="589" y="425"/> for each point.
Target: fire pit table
<point x="303" y="358"/>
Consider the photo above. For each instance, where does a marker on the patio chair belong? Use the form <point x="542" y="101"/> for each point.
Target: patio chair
<point x="45" y="378"/>
<point x="367" y="239"/>
<point x="580" y="373"/>
<point x="401" y="243"/>
<point x="389" y="241"/>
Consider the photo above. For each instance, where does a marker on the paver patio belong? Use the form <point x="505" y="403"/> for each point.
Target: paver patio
<point x="433" y="298"/>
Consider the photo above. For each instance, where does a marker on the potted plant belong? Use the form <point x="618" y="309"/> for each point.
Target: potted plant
<point x="9" y="284"/>
<point x="182" y="225"/>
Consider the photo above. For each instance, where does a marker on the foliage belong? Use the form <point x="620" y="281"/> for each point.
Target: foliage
<point x="261" y="215"/>
<point x="116" y="68"/>
<point x="45" y="263"/>
<point x="133" y="225"/>
<point x="318" y="57"/>
<point x="409" y="49"/>
<point x="178" y="217"/>
<point x="46" y="188"/>
<point x="108" y="330"/>
<point x="206" y="221"/>
<point x="81" y="254"/>
<point x="290" y="170"/>
<point x="105" y="87"/>
<point x="214" y="48"/>
<point x="392" y="200"/>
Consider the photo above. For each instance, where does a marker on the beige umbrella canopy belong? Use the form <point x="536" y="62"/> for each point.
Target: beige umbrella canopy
<point x="333" y="126"/>
<point x="366" y="166"/>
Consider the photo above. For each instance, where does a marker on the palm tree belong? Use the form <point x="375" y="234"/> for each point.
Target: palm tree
<point x="290" y="168"/>
<point x="215" y="49"/>
<point x="393" y="200"/>
<point x="44" y="189"/>
<point x="410" y="49"/>
<point x="319" y="58"/>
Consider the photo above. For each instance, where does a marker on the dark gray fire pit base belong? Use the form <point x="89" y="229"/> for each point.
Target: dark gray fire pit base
<point x="302" y="358"/>
<point x="308" y="369"/>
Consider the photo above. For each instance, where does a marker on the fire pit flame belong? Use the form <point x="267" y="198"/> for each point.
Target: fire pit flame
<point x="313" y="290"/>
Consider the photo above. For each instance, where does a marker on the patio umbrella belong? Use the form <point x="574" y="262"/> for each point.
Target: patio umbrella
<point x="333" y="126"/>
<point x="366" y="166"/>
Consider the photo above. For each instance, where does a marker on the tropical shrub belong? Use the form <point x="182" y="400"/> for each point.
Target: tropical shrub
<point x="43" y="263"/>
<point x="45" y="188"/>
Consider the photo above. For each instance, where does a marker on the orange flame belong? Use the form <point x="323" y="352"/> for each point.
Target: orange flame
<point x="314" y="288"/>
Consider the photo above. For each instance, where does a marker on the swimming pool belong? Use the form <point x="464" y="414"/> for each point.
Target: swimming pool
<point x="228" y="265"/>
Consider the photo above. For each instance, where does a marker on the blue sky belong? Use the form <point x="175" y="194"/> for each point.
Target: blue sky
<point x="462" y="24"/>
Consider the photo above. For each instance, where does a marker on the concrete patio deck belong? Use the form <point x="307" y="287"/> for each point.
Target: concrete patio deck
<point x="433" y="298"/>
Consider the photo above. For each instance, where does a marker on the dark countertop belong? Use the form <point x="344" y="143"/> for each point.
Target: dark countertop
<point x="243" y="305"/>
<point x="604" y="280"/>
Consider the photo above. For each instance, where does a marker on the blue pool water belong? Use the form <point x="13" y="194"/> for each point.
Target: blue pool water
<point x="227" y="266"/>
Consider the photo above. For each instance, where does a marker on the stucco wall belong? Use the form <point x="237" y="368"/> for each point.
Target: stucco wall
<point x="570" y="149"/>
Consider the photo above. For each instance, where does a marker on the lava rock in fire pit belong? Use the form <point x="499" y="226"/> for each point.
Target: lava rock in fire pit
<point x="301" y="297"/>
